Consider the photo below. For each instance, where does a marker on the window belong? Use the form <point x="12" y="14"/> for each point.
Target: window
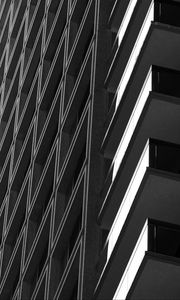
<point x="164" y="238"/>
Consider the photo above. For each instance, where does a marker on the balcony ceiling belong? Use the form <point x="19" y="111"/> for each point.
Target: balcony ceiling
<point x="157" y="278"/>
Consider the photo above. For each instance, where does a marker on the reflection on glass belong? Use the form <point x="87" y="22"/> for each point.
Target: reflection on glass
<point x="128" y="200"/>
<point x="133" y="265"/>
<point x="136" y="50"/>
<point x="147" y="87"/>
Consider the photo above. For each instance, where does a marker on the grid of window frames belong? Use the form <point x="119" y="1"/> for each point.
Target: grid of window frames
<point x="46" y="54"/>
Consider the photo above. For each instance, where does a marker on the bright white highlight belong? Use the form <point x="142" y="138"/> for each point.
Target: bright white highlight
<point x="125" y="21"/>
<point x="115" y="231"/>
<point x="128" y="200"/>
<point x="147" y="87"/>
<point x="136" y="50"/>
<point x="133" y="265"/>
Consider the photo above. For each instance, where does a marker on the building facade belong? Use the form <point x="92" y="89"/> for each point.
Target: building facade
<point x="89" y="149"/>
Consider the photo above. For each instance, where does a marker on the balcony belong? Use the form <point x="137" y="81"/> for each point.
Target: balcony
<point x="156" y="253"/>
<point x="131" y="24"/>
<point x="153" y="192"/>
<point x="163" y="287"/>
<point x="131" y="73"/>
<point x="155" y="115"/>
<point x="156" y="154"/>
